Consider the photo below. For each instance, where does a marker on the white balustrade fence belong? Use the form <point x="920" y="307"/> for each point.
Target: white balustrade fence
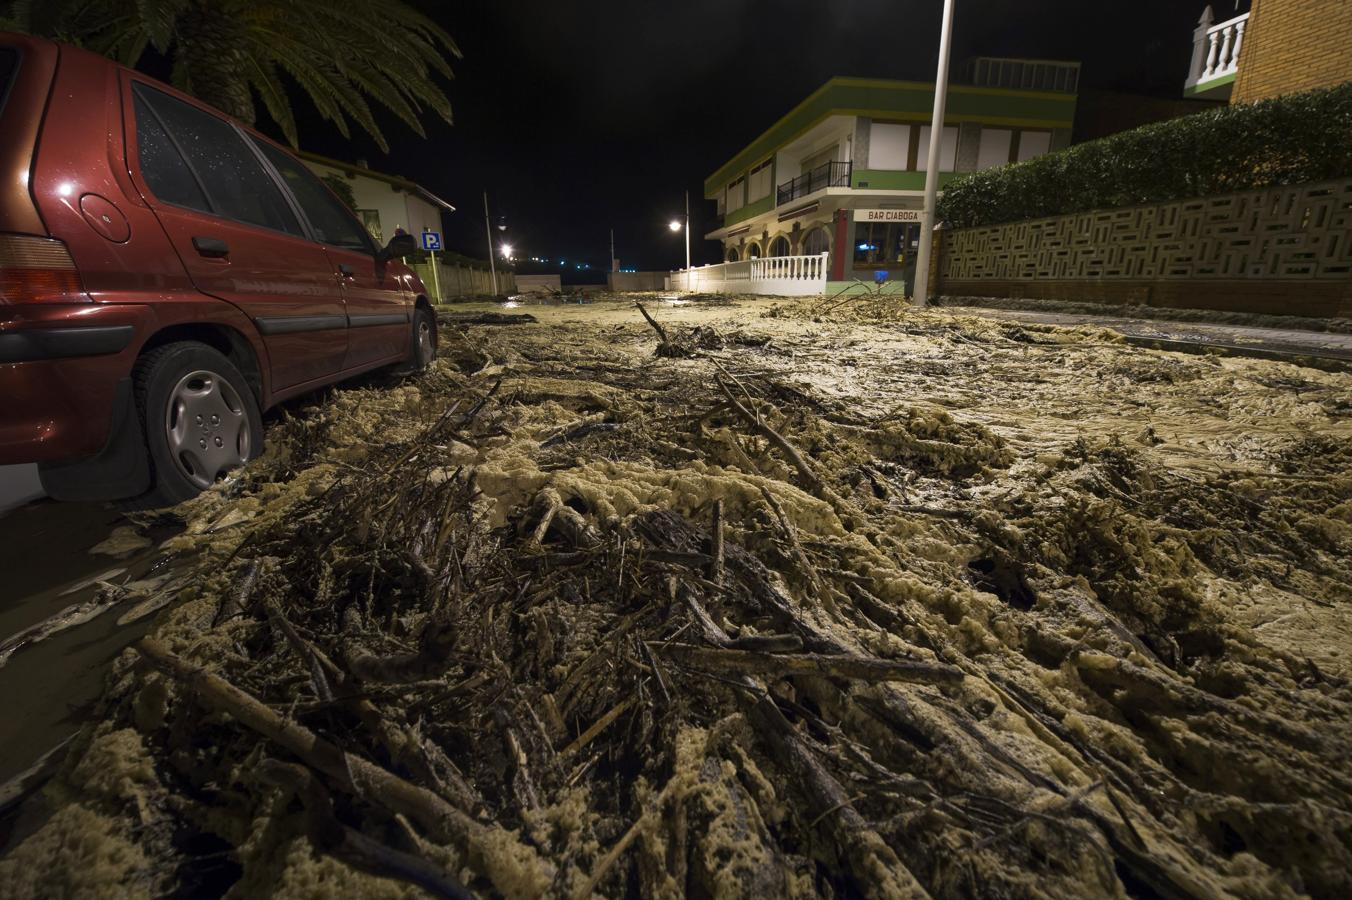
<point x="1215" y="49"/>
<point x="782" y="276"/>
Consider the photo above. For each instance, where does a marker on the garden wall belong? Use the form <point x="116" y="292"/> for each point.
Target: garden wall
<point x="637" y="281"/>
<point x="1282" y="250"/>
<point x="463" y="281"/>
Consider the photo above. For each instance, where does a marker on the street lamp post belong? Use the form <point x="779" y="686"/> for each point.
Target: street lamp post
<point x="488" y="227"/>
<point x="687" y="231"/>
<point x="676" y="225"/>
<point x="922" y="262"/>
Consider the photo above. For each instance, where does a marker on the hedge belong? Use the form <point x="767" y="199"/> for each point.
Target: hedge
<point x="1293" y="139"/>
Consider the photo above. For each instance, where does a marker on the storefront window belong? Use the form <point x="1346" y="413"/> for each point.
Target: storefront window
<point x="885" y="244"/>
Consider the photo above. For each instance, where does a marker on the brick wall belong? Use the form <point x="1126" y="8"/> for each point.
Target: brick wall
<point x="1294" y="45"/>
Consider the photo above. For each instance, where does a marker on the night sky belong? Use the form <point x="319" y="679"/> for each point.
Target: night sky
<point x="577" y="117"/>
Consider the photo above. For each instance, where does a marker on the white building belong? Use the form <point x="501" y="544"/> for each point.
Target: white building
<point x="384" y="202"/>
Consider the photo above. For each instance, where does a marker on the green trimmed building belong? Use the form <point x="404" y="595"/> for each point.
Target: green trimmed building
<point x="844" y="171"/>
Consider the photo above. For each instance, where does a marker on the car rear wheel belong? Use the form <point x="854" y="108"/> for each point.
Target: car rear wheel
<point x="424" y="338"/>
<point x="200" y="417"/>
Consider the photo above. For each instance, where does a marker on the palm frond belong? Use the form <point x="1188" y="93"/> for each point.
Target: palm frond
<point x="344" y="55"/>
<point x="263" y="79"/>
<point x="158" y="18"/>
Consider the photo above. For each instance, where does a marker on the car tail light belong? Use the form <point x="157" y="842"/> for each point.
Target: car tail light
<point x="35" y="270"/>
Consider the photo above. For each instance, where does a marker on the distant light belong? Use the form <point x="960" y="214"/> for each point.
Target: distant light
<point x="674" y="225"/>
<point x="507" y="251"/>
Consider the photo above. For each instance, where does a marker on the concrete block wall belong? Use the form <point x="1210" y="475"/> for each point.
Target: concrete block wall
<point x="1294" y="45"/>
<point x="539" y="284"/>
<point x="636" y="281"/>
<point x="1281" y="250"/>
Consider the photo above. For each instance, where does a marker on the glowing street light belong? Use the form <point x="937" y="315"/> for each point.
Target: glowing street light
<point x="506" y="250"/>
<point x="676" y="225"/>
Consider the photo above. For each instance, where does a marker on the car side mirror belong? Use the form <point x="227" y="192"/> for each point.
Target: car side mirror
<point x="399" y="245"/>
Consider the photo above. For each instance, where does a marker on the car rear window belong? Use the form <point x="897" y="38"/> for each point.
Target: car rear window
<point x="178" y="140"/>
<point x="9" y="64"/>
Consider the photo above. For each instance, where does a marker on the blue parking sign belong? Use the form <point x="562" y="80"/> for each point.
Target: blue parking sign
<point x="431" y="240"/>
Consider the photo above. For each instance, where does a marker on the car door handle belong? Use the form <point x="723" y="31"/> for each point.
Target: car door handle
<point x="345" y="270"/>
<point x="210" y="247"/>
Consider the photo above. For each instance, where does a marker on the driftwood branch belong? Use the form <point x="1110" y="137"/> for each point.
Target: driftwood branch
<point x="351" y="846"/>
<point x="805" y="470"/>
<point x="661" y="332"/>
<point x="875" y="868"/>
<point x="485" y="844"/>
<point x="727" y="660"/>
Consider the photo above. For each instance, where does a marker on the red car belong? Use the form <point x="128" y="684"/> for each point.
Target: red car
<point x="165" y="275"/>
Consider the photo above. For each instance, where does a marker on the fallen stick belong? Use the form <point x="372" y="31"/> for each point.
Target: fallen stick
<point x="728" y="660"/>
<point x="805" y="471"/>
<point x="351" y="846"/>
<point x="599" y="726"/>
<point x="716" y="564"/>
<point x="492" y="852"/>
<point x="768" y="643"/>
<point x="876" y="869"/>
<point x="614" y="853"/>
<point x="661" y="332"/>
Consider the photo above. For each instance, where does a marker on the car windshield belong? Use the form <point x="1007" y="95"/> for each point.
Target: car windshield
<point x="9" y="64"/>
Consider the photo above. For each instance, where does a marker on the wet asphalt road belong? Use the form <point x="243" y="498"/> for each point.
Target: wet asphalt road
<point x="47" y="688"/>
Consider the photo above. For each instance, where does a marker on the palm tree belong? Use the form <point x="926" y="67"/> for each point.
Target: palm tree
<point x="342" y="53"/>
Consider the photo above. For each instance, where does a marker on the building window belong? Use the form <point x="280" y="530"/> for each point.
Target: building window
<point x="758" y="187"/>
<point x="818" y="159"/>
<point x="996" y="144"/>
<point x="736" y="192"/>
<point x="1033" y="144"/>
<point x="817" y="241"/>
<point x="879" y="244"/>
<point x="889" y="146"/>
<point x="371" y="219"/>
<point x="948" y="149"/>
<point x="753" y="250"/>
<point x="732" y="254"/>
<point x="779" y="246"/>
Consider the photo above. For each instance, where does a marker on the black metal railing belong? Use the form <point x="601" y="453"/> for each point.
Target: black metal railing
<point x="831" y="174"/>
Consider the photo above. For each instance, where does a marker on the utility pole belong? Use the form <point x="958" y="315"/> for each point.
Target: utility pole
<point x="687" y="231"/>
<point x="613" y="260"/>
<point x="922" y="262"/>
<point x="488" y="227"/>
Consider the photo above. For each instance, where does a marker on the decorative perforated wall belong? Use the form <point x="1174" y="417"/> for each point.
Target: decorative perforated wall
<point x="1301" y="232"/>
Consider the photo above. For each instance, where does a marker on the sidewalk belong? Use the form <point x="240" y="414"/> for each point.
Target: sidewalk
<point x="1288" y="344"/>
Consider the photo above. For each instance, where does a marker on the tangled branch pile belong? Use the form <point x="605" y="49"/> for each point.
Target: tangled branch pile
<point x="562" y="617"/>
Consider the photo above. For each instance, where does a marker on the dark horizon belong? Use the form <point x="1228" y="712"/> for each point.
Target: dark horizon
<point x="576" y="123"/>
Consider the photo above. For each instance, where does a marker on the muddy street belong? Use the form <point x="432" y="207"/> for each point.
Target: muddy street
<point x="717" y="597"/>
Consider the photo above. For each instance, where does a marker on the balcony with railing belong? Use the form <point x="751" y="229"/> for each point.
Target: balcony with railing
<point x="1215" y="53"/>
<point x="827" y="175"/>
